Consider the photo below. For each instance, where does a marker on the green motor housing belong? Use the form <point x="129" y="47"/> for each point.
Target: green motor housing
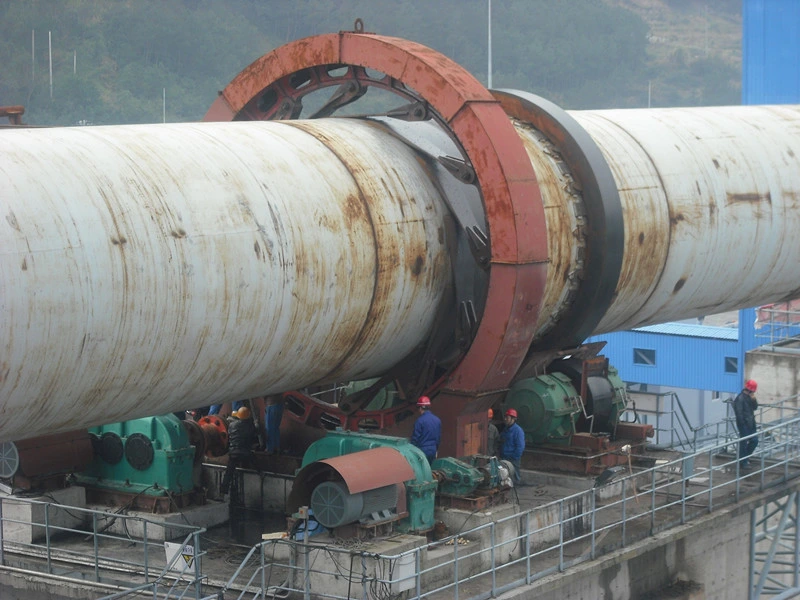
<point x="461" y="478"/>
<point x="420" y="491"/>
<point x="547" y="407"/>
<point x="150" y="456"/>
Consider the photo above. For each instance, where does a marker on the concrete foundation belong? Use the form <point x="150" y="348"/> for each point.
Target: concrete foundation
<point x="169" y="526"/>
<point x="19" y="517"/>
<point x="340" y="574"/>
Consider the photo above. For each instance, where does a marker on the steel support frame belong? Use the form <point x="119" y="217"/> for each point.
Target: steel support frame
<point x="775" y="549"/>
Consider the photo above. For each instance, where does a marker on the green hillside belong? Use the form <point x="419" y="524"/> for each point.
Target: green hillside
<point x="117" y="61"/>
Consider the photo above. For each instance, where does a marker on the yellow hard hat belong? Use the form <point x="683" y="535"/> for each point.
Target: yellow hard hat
<point x="243" y="413"/>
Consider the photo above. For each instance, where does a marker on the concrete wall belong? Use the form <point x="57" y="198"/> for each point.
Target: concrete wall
<point x="777" y="374"/>
<point x="712" y="552"/>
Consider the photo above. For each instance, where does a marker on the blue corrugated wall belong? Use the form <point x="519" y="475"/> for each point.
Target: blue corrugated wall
<point x="771" y="52"/>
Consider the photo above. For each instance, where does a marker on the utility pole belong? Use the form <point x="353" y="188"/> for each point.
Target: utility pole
<point x="50" y="52"/>
<point x="489" y="82"/>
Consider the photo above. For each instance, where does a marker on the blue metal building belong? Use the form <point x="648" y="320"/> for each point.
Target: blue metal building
<point x="678" y="355"/>
<point x="770" y="51"/>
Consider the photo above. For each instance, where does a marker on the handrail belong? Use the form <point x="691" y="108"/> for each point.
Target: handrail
<point x="62" y="522"/>
<point x="648" y="501"/>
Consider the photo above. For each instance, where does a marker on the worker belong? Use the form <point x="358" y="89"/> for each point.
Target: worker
<point x="744" y="407"/>
<point x="492" y="436"/>
<point x="513" y="443"/>
<point x="427" y="430"/>
<point x="241" y="437"/>
<point x="272" y="422"/>
<point x="215" y="409"/>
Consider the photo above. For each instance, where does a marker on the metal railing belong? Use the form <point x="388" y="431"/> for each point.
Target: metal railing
<point x="519" y="549"/>
<point x="776" y="324"/>
<point x="52" y="538"/>
<point x="672" y="427"/>
<point x="500" y="555"/>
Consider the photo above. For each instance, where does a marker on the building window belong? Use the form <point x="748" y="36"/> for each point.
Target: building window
<point x="642" y="356"/>
<point x="731" y="364"/>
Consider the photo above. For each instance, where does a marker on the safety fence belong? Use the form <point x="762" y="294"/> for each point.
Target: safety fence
<point x="47" y="537"/>
<point x="778" y="323"/>
<point x="499" y="556"/>
<point x="129" y="552"/>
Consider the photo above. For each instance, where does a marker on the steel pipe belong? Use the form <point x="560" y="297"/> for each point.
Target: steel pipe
<point x="146" y="269"/>
<point x="151" y="268"/>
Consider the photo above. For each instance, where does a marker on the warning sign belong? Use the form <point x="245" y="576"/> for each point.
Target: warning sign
<point x="180" y="557"/>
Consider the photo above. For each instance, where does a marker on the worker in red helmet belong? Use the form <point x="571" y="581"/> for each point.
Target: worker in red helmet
<point x="513" y="443"/>
<point x="744" y="407"/>
<point x="427" y="430"/>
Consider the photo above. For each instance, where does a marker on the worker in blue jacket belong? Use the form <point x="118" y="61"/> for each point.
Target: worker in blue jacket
<point x="427" y="430"/>
<point x="513" y="440"/>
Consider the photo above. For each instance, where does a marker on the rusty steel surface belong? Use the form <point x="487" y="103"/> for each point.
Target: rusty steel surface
<point x="507" y="180"/>
<point x="14" y="114"/>
<point x="371" y="469"/>
<point x="565" y="217"/>
<point x="710" y="200"/>
<point x="509" y="190"/>
<point x="585" y="215"/>
<point x="67" y="452"/>
<point x="147" y="269"/>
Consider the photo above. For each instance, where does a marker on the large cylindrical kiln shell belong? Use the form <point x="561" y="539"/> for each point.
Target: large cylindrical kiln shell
<point x="711" y="205"/>
<point x="145" y="269"/>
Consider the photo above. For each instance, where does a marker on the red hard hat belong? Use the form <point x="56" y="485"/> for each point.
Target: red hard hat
<point x="424" y="401"/>
<point x="750" y="385"/>
<point x="511" y="413"/>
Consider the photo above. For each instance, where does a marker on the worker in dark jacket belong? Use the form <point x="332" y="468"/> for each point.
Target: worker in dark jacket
<point x="513" y="443"/>
<point x="427" y="430"/>
<point x="241" y="437"/>
<point x="272" y="419"/>
<point x="744" y="407"/>
<point x="492" y="436"/>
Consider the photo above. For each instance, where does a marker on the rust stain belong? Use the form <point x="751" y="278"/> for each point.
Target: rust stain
<point x="178" y="233"/>
<point x="119" y="241"/>
<point x="12" y="220"/>
<point x="677" y="218"/>
<point x="24" y="264"/>
<point x="257" y="250"/>
<point x="416" y="268"/>
<point x="751" y="197"/>
<point x="353" y="209"/>
<point x="679" y="285"/>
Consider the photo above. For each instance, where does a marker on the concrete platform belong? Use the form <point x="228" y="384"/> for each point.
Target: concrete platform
<point x="20" y="518"/>
<point x="170" y="526"/>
